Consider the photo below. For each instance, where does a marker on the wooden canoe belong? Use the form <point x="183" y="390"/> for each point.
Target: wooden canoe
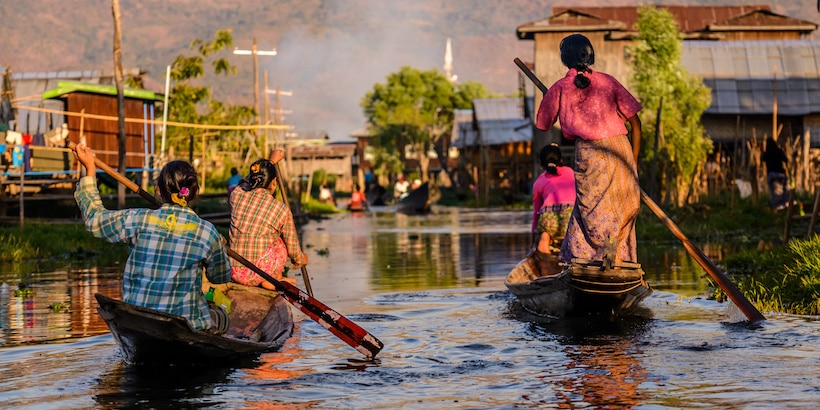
<point x="582" y="286"/>
<point x="260" y="321"/>
<point x="416" y="202"/>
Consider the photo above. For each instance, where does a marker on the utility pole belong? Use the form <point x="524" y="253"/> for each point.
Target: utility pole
<point x="255" y="53"/>
<point x="121" y="139"/>
<point x="267" y="121"/>
<point x="277" y="110"/>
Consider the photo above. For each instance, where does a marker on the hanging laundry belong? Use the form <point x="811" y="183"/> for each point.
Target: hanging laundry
<point x="38" y="140"/>
<point x="17" y="156"/>
<point x="14" y="138"/>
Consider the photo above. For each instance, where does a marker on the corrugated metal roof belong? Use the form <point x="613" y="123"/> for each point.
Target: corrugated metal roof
<point x="743" y="80"/>
<point x="30" y="86"/>
<point x="498" y="120"/>
<point x="691" y="19"/>
<point x="339" y="149"/>
<point x="497" y="108"/>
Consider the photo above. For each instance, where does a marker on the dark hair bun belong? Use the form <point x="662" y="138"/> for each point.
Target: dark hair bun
<point x="581" y="81"/>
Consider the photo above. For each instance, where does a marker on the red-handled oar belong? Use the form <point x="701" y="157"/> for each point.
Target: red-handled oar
<point x="342" y="327"/>
<point x="711" y="269"/>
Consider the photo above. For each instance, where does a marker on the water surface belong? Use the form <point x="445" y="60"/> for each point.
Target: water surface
<point x="431" y="288"/>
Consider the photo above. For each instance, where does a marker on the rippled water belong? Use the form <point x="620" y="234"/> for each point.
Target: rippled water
<point x="431" y="288"/>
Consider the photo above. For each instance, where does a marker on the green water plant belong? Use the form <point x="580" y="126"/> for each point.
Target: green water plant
<point x="784" y="279"/>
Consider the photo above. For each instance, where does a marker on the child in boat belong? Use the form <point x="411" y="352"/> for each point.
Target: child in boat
<point x="262" y="228"/>
<point x="553" y="197"/>
<point x="170" y="246"/>
<point x="591" y="107"/>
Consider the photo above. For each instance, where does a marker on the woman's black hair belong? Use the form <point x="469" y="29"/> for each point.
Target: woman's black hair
<point x="577" y="53"/>
<point x="550" y="157"/>
<point x="175" y="176"/>
<point x="262" y="173"/>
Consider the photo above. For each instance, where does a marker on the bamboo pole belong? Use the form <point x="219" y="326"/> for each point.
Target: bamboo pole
<point x="157" y="122"/>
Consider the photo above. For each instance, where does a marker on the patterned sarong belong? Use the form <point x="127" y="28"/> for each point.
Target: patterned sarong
<point x="272" y="262"/>
<point x="607" y="200"/>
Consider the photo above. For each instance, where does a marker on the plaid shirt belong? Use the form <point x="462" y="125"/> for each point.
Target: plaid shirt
<point x="257" y="219"/>
<point x="169" y="248"/>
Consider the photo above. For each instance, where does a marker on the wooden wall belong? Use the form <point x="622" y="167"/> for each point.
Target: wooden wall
<point x="101" y="135"/>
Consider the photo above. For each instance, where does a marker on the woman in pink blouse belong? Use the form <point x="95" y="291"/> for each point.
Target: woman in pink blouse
<point x="553" y="197"/>
<point x="592" y="107"/>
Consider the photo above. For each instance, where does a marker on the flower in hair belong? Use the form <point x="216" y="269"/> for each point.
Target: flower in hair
<point x="255" y="168"/>
<point x="184" y="191"/>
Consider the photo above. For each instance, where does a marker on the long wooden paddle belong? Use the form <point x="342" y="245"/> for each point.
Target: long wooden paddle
<point x="711" y="269"/>
<point x="284" y="190"/>
<point x="331" y="320"/>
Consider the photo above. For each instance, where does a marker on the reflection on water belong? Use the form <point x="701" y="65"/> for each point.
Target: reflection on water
<point x="431" y="288"/>
<point x="53" y="306"/>
<point x="126" y="386"/>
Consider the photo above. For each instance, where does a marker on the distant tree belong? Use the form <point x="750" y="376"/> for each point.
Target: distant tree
<point x="192" y="102"/>
<point x="659" y="76"/>
<point x="415" y="108"/>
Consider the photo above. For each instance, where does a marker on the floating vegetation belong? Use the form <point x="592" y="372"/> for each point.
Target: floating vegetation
<point x="784" y="279"/>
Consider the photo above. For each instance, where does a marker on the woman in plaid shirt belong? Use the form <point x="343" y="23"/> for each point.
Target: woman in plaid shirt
<point x="170" y="246"/>
<point x="262" y="228"/>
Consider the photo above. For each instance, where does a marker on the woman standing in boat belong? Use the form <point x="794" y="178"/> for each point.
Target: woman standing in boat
<point x="553" y="197"/>
<point x="591" y="107"/>
<point x="170" y="246"/>
<point x="262" y="228"/>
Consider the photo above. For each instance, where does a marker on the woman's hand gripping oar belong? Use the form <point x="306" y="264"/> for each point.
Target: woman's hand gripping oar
<point x="716" y="274"/>
<point x="274" y="157"/>
<point x="331" y="320"/>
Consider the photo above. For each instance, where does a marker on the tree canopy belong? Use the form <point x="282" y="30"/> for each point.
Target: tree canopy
<point x="415" y="107"/>
<point x="192" y="102"/>
<point x="661" y="81"/>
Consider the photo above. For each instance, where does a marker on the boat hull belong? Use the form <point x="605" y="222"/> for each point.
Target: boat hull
<point x="582" y="286"/>
<point x="260" y="321"/>
<point x="416" y="202"/>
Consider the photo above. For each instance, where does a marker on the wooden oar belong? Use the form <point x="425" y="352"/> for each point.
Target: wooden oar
<point x="283" y="189"/>
<point x="714" y="272"/>
<point x="711" y="269"/>
<point x="331" y="320"/>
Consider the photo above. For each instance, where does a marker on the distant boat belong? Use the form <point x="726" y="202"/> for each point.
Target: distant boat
<point x="416" y="202"/>
<point x="376" y="195"/>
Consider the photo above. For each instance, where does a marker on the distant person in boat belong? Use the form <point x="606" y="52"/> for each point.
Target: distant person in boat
<point x="553" y="197"/>
<point x="591" y="107"/>
<point x="358" y="200"/>
<point x="233" y="181"/>
<point x="262" y="227"/>
<point x="170" y="246"/>
<point x="778" y="181"/>
<point x="400" y="188"/>
<point x="326" y="194"/>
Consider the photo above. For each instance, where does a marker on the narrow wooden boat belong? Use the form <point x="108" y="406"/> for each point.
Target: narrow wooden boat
<point x="582" y="286"/>
<point x="416" y="202"/>
<point x="376" y="195"/>
<point x="260" y="321"/>
<point x="547" y="295"/>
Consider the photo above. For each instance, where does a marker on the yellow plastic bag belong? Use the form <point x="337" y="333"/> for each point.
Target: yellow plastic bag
<point x="221" y="300"/>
